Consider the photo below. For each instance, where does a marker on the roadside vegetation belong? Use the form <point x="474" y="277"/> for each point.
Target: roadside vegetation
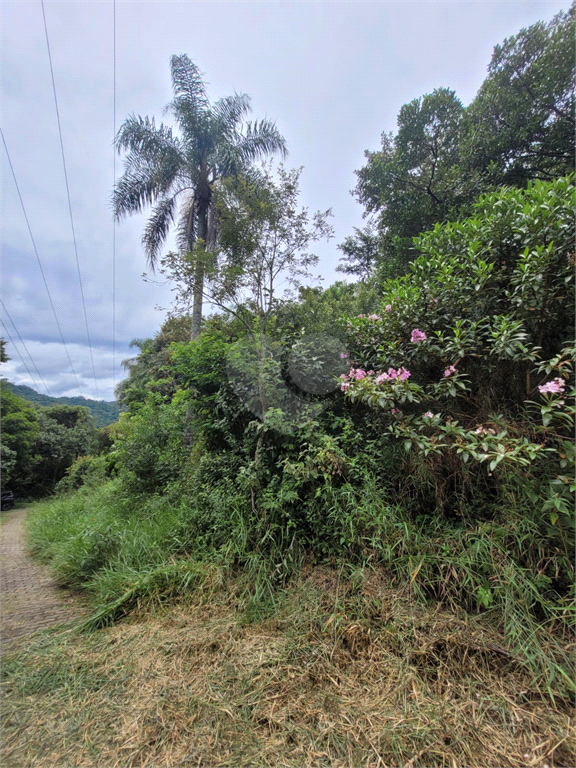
<point x="336" y="527"/>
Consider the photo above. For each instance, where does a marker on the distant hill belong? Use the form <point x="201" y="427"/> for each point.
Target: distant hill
<point x="104" y="412"/>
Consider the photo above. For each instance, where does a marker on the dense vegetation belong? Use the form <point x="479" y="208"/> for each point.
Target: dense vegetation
<point x="103" y="412"/>
<point x="39" y="444"/>
<point x="520" y="127"/>
<point x="418" y="423"/>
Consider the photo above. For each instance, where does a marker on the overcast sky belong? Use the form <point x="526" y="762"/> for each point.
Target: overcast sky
<point x="333" y="75"/>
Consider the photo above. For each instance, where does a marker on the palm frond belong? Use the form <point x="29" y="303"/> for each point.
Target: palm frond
<point x="187" y="81"/>
<point x="198" y="133"/>
<point x="190" y="102"/>
<point x="227" y="160"/>
<point x="261" y="138"/>
<point x="157" y="228"/>
<point x="144" y="182"/>
<point x="186" y="229"/>
<point x="153" y="164"/>
<point x="231" y="110"/>
<point x="132" y="193"/>
<point x="140" y="134"/>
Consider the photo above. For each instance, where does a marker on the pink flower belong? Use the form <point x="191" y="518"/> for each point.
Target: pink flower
<point x="391" y="373"/>
<point x="370" y="373"/>
<point x="374" y="317"/>
<point x="555" y="386"/>
<point x="449" y="371"/>
<point x="393" y="411"/>
<point x="417" y="336"/>
<point x="388" y="307"/>
<point x="428" y="415"/>
<point x="481" y="430"/>
<point x="344" y="386"/>
<point x="359" y="374"/>
<point x="344" y="355"/>
<point x="435" y="301"/>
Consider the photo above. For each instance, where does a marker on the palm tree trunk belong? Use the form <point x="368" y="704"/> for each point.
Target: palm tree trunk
<point x="197" y="305"/>
<point x="199" y="270"/>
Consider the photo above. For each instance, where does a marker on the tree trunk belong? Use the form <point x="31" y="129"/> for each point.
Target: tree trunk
<point x="197" y="305"/>
<point x="203" y="205"/>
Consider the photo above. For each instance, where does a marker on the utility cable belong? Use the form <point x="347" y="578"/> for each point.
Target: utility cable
<point x="40" y="263"/>
<point x="69" y="201"/>
<point x="25" y="347"/>
<point x="19" y="355"/>
<point x="114" y="184"/>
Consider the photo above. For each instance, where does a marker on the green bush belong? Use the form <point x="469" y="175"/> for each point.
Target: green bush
<point x="470" y="360"/>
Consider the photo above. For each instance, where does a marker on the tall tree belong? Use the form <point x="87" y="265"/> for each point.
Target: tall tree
<point x="18" y="431"/>
<point x="415" y="179"/>
<point x="521" y="124"/>
<point x="520" y="127"/>
<point x="176" y="173"/>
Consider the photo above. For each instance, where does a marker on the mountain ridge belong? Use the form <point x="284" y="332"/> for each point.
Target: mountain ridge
<point x="104" y="412"/>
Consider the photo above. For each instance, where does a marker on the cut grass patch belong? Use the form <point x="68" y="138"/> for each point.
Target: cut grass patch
<point x="341" y="673"/>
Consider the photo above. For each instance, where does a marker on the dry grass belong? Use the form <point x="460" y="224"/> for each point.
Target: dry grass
<point x="342" y="674"/>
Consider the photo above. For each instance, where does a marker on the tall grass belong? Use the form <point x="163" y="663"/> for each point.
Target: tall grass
<point x="124" y="550"/>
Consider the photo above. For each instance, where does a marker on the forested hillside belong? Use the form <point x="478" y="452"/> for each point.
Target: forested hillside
<point x="103" y="412"/>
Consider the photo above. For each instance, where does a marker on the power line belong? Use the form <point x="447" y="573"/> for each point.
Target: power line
<point x="25" y="347"/>
<point x="68" y="194"/>
<point x="19" y="355"/>
<point x="39" y="262"/>
<point x="114" y="180"/>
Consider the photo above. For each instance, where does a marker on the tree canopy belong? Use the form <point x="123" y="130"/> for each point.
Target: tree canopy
<point x="176" y="173"/>
<point x="520" y="127"/>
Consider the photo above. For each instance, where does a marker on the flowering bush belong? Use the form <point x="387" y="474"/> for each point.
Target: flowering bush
<point x="482" y="320"/>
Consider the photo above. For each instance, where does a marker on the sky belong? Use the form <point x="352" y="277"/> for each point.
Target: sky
<point x="332" y="75"/>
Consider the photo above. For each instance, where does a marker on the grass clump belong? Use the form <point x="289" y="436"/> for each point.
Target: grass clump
<point x="345" y="671"/>
<point x="125" y="553"/>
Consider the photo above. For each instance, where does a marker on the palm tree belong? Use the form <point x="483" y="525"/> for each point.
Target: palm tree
<point x="176" y="174"/>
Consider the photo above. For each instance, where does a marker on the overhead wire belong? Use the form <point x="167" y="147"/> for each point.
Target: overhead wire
<point x="69" y="200"/>
<point x="114" y="183"/>
<point x="19" y="353"/>
<point x="25" y="347"/>
<point x="39" y="262"/>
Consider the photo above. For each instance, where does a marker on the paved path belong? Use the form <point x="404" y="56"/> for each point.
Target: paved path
<point x="29" y="597"/>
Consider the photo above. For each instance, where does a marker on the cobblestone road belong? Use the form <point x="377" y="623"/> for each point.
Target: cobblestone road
<point x="30" y="599"/>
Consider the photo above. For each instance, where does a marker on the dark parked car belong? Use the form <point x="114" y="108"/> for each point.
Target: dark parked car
<point x="7" y="499"/>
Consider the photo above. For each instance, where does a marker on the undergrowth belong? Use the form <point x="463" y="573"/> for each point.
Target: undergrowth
<point x="127" y="552"/>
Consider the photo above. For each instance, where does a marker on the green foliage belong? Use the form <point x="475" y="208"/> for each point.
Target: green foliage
<point x="178" y="174"/>
<point x="263" y="242"/>
<point x="103" y="412"/>
<point x="520" y="127"/>
<point x="482" y="322"/>
<point x="415" y="180"/>
<point x="86" y="470"/>
<point x="65" y="433"/>
<point x="19" y="432"/>
<point x="447" y="458"/>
